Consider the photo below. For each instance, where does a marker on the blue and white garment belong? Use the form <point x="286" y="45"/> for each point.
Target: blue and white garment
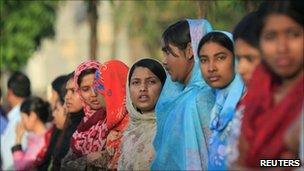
<point x="182" y="116"/>
<point x="220" y="122"/>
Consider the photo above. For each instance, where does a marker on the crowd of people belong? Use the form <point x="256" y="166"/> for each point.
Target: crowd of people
<point x="217" y="101"/>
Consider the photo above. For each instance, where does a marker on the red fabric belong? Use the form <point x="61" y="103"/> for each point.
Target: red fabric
<point x="47" y="140"/>
<point x="111" y="82"/>
<point x="265" y="123"/>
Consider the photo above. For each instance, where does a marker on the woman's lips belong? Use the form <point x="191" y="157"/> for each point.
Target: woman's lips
<point x="143" y="98"/>
<point x="213" y="78"/>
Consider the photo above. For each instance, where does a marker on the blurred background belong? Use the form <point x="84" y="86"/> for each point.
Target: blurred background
<point x="45" y="39"/>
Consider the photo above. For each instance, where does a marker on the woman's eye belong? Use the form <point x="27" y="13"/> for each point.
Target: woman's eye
<point x="203" y="60"/>
<point x="221" y="58"/>
<point x="269" y="36"/>
<point x="135" y="83"/>
<point x="151" y="82"/>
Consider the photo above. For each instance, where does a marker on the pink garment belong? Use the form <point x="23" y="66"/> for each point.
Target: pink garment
<point x="25" y="159"/>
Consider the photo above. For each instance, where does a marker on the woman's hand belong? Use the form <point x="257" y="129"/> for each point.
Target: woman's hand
<point x="20" y="130"/>
<point x="93" y="156"/>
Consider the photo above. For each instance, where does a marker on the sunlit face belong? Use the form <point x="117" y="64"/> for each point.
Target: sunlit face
<point x="281" y="44"/>
<point x="180" y="66"/>
<point x="248" y="58"/>
<point x="29" y="121"/>
<point x="72" y="99"/>
<point x="216" y="65"/>
<point x="90" y="96"/>
<point x="59" y="115"/>
<point x="145" y="88"/>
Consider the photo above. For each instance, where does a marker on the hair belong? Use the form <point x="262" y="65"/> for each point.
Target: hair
<point x="70" y="76"/>
<point x="84" y="73"/>
<point x="59" y="86"/>
<point x="177" y="34"/>
<point x="292" y="8"/>
<point x="219" y="38"/>
<point x="20" y="84"/>
<point x="246" y="30"/>
<point x="155" y="67"/>
<point x="37" y="105"/>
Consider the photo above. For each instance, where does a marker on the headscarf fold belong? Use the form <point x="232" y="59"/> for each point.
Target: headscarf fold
<point x="265" y="123"/>
<point x="221" y="116"/>
<point x="182" y="113"/>
<point x="137" y="148"/>
<point x="110" y="80"/>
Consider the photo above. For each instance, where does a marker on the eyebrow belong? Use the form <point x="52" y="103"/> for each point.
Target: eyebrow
<point x="151" y="77"/>
<point x="220" y="53"/>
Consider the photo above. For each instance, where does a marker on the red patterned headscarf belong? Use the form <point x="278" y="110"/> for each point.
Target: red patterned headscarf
<point x="265" y="123"/>
<point x="91" y="132"/>
<point x="110" y="80"/>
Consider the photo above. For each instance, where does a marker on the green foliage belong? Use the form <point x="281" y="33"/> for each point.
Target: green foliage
<point x="22" y="27"/>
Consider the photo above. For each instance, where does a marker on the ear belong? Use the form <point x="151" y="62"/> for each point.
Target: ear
<point x="189" y="52"/>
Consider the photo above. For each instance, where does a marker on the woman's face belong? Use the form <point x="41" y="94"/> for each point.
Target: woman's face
<point x="90" y="96"/>
<point x="281" y="44"/>
<point x="248" y="58"/>
<point x="59" y="115"/>
<point x="217" y="65"/>
<point x="54" y="98"/>
<point x="72" y="99"/>
<point x="180" y="66"/>
<point x="29" y="121"/>
<point x="145" y="88"/>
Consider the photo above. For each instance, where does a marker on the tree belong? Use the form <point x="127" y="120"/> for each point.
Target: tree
<point x="93" y="18"/>
<point x="23" y="25"/>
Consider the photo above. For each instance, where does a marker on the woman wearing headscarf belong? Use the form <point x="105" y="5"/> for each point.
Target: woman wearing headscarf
<point x="184" y="105"/>
<point x="218" y="65"/>
<point x="145" y="81"/>
<point x="110" y="81"/>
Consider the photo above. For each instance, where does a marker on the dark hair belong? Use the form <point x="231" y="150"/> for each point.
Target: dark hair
<point x="59" y="86"/>
<point x="292" y="8"/>
<point x="37" y="105"/>
<point x="217" y="37"/>
<point x="155" y="67"/>
<point x="246" y="30"/>
<point x="20" y="84"/>
<point x="84" y="73"/>
<point x="177" y="34"/>
<point x="69" y="76"/>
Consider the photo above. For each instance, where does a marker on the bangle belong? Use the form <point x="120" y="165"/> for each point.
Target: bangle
<point x="16" y="147"/>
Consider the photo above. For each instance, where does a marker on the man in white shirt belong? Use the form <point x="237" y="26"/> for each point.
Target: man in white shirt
<point x="18" y="89"/>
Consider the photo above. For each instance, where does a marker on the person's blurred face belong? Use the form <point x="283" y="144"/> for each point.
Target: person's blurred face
<point x="72" y="98"/>
<point x="248" y="58"/>
<point x="90" y="96"/>
<point x="59" y="115"/>
<point x="216" y="65"/>
<point x="281" y="44"/>
<point x="54" y="98"/>
<point x="29" y="121"/>
<point x="145" y="88"/>
<point x="179" y="65"/>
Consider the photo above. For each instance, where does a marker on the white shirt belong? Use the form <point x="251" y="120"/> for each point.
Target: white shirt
<point x="8" y="138"/>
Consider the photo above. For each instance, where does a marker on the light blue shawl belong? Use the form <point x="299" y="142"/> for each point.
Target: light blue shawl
<point x="182" y="114"/>
<point x="221" y="116"/>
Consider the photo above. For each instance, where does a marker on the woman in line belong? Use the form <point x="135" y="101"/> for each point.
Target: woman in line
<point x="246" y="46"/>
<point x="95" y="143"/>
<point x="275" y="94"/>
<point x="218" y="66"/>
<point x="145" y="81"/>
<point x="34" y="115"/>
<point x="68" y="118"/>
<point x="183" y="108"/>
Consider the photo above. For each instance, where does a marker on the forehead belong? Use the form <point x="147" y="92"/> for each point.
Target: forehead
<point x="87" y="80"/>
<point x="274" y="22"/>
<point x="142" y="72"/>
<point x="213" y="48"/>
<point x="70" y="83"/>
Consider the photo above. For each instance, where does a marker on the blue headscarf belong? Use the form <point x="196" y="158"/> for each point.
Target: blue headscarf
<point x="221" y="115"/>
<point x="182" y="116"/>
